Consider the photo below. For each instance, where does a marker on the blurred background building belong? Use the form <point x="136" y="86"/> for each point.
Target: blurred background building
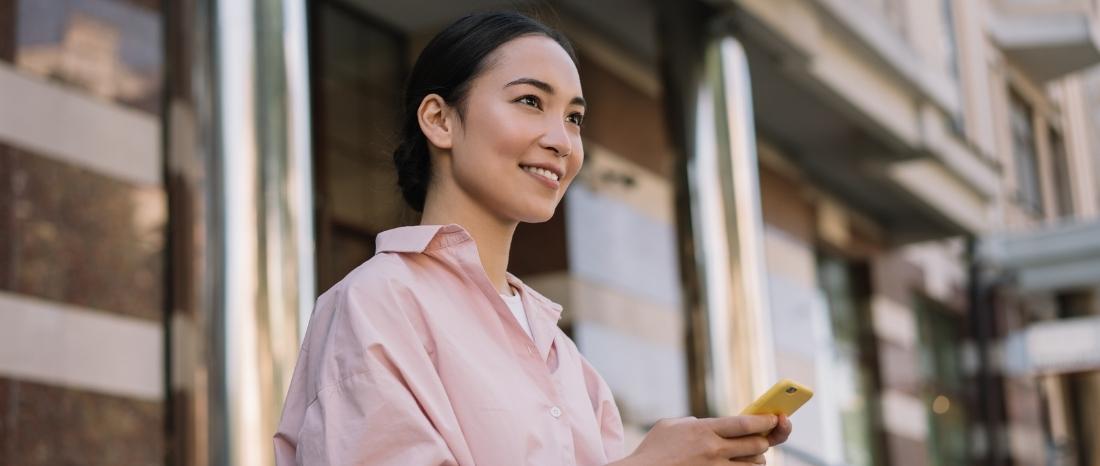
<point x="896" y="202"/>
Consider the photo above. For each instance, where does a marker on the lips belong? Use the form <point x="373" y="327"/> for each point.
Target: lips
<point x="549" y="167"/>
<point x="550" y="175"/>
<point x="543" y="177"/>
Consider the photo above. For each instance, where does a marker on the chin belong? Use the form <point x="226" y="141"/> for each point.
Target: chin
<point x="539" y="214"/>
<point x="537" y="218"/>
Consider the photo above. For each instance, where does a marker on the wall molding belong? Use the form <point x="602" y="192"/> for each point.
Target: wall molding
<point x="64" y="345"/>
<point x="59" y="122"/>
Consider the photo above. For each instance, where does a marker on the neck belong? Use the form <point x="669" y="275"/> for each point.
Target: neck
<point x="492" y="234"/>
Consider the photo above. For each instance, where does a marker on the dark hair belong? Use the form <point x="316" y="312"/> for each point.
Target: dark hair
<point x="447" y="66"/>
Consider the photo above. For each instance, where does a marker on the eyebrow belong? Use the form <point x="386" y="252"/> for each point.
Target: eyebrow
<point x="547" y="88"/>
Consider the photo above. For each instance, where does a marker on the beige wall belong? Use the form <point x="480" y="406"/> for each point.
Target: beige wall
<point x="988" y="77"/>
<point x="1084" y="151"/>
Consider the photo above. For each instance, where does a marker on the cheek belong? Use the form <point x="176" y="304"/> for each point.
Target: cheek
<point x="504" y="133"/>
<point x="575" y="161"/>
<point x="494" y="142"/>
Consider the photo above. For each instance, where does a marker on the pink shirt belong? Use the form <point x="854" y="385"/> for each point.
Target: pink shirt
<point x="414" y="359"/>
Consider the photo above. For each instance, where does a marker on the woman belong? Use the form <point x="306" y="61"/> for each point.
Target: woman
<point x="431" y="353"/>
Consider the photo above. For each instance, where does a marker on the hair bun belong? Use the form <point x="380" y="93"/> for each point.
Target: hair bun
<point x="413" y="172"/>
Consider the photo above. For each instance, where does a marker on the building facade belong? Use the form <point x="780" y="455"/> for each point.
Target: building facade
<point x="938" y="148"/>
<point x="82" y="223"/>
<point x="896" y="202"/>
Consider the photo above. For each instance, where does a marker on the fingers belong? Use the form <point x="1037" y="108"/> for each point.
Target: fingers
<point x="743" y="447"/>
<point x="738" y="426"/>
<point x="758" y="459"/>
<point x="781" y="432"/>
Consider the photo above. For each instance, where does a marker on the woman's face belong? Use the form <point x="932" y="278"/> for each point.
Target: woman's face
<point x="518" y="145"/>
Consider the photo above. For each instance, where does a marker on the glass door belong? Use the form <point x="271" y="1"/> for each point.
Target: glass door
<point x="358" y="69"/>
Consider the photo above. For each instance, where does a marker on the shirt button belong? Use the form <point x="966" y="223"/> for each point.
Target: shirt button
<point x="556" y="412"/>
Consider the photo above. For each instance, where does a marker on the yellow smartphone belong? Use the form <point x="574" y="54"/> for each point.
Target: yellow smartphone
<point x="785" y="397"/>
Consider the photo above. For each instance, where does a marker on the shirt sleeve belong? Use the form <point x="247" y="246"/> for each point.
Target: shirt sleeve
<point x="368" y="419"/>
<point x="607" y="412"/>
<point x="353" y="397"/>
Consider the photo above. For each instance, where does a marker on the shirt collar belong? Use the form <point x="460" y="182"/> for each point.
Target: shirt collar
<point x="523" y="289"/>
<point x="422" y="238"/>
<point x="544" y="324"/>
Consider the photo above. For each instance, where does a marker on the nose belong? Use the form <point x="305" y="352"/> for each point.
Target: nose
<point x="556" y="138"/>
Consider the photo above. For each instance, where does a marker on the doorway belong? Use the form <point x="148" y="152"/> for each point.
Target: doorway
<point x="358" y="69"/>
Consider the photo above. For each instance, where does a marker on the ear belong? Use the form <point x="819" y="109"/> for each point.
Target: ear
<point x="436" y="120"/>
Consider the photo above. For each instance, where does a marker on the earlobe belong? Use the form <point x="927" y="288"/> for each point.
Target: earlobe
<point x="434" y="116"/>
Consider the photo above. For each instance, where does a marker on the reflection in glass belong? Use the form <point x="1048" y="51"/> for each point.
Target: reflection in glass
<point x="108" y="48"/>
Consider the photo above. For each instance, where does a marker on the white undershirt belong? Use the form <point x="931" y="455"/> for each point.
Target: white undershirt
<point x="515" y="303"/>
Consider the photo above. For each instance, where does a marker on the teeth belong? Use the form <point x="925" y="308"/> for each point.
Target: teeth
<point x="542" y="172"/>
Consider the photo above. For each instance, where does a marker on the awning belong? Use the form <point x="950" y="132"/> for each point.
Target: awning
<point x="1057" y="258"/>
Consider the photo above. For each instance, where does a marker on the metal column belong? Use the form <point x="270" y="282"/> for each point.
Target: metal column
<point x="264" y="228"/>
<point x="718" y="203"/>
<point x="243" y="278"/>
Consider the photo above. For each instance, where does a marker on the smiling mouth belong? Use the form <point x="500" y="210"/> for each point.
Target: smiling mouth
<point x="540" y="172"/>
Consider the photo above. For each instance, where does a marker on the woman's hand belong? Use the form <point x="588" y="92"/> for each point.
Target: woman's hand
<point x="725" y="440"/>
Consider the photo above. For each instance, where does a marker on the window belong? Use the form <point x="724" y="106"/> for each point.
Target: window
<point x="941" y="334"/>
<point x="951" y="55"/>
<point x="1024" y="154"/>
<point x="947" y="9"/>
<point x="846" y="286"/>
<point x="1063" y="185"/>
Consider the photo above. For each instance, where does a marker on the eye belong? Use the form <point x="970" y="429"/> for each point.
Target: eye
<point x="530" y="100"/>
<point x="576" y="118"/>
